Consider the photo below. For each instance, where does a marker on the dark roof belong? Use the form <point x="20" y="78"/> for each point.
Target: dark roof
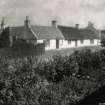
<point x="39" y="32"/>
<point x="16" y="31"/>
<point x="28" y="34"/>
<point x="22" y="32"/>
<point x="73" y="33"/>
<point x="47" y="32"/>
<point x="89" y="34"/>
<point x="69" y="32"/>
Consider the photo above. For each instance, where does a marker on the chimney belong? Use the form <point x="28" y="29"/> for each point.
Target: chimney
<point x="77" y="26"/>
<point x="54" y="23"/>
<point x="27" y="22"/>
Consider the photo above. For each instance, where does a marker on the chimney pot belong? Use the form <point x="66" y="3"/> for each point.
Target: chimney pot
<point x="54" y="23"/>
<point x="27" y="21"/>
<point x="77" y="26"/>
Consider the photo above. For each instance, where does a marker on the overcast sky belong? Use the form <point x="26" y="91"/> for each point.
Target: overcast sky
<point x="66" y="12"/>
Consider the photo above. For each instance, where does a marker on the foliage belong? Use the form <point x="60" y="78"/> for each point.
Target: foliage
<point x="103" y="42"/>
<point x="4" y="38"/>
<point x="61" y="80"/>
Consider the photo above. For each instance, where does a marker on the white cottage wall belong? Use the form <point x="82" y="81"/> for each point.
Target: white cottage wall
<point x="80" y="43"/>
<point x="66" y="44"/>
<point x="52" y="45"/>
<point x="40" y="41"/>
<point x="83" y="43"/>
<point x="69" y="43"/>
<point x="88" y="42"/>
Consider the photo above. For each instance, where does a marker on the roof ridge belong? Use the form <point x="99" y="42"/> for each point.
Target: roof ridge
<point x="67" y="26"/>
<point x="16" y="26"/>
<point x="40" y="26"/>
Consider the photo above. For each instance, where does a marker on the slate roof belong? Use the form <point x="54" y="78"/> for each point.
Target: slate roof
<point x="16" y="31"/>
<point x="39" y="32"/>
<point x="73" y="33"/>
<point x="89" y="34"/>
<point x="47" y="32"/>
<point x="69" y="32"/>
<point x="22" y="32"/>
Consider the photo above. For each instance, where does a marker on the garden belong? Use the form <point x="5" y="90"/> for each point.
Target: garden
<point x="61" y="80"/>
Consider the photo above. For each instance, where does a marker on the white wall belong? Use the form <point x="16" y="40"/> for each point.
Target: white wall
<point x="52" y="45"/>
<point x="65" y="44"/>
<point x="97" y="42"/>
<point x="72" y="44"/>
<point x="88" y="42"/>
<point x="84" y="43"/>
<point x="40" y="41"/>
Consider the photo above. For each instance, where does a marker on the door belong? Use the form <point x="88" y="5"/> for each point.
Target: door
<point x="57" y="43"/>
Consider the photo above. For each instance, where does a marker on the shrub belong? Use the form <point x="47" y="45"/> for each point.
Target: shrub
<point x="103" y="42"/>
<point x="61" y="80"/>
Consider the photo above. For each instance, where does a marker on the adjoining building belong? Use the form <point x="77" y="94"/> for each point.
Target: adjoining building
<point x="49" y="35"/>
<point x="76" y="37"/>
<point x="54" y="36"/>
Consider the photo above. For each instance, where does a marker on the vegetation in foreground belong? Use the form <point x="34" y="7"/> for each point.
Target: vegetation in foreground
<point x="61" y="80"/>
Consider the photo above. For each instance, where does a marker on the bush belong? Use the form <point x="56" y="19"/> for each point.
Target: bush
<point x="103" y="42"/>
<point x="61" y="80"/>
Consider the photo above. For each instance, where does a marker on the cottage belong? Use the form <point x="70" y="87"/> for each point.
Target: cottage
<point x="54" y="36"/>
<point x="49" y="35"/>
<point x="75" y="37"/>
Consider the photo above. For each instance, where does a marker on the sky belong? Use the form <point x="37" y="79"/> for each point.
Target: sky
<point x="42" y="12"/>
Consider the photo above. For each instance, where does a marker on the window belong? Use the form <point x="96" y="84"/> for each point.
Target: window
<point x="92" y="41"/>
<point x="69" y="41"/>
<point x="61" y="42"/>
<point x="47" y="43"/>
<point x="81" y="41"/>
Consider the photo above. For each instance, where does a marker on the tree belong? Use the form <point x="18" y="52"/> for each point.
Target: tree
<point x="4" y="39"/>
